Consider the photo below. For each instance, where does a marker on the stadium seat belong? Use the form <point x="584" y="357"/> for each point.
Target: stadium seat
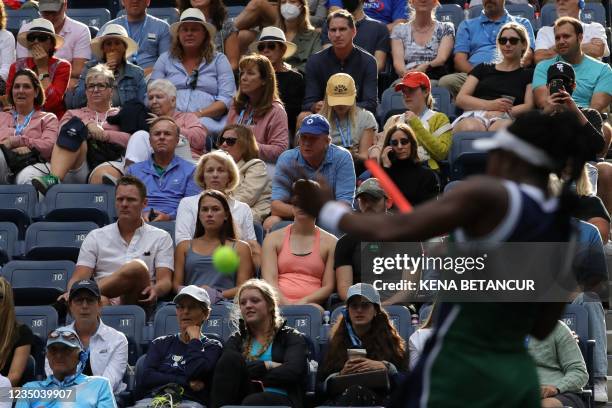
<point x="112" y="5"/>
<point x="442" y="101"/>
<point x="399" y="316"/>
<point x="37" y="282"/>
<point x="16" y="18"/>
<point x="167" y="226"/>
<point x="168" y="14"/>
<point x="18" y="205"/>
<point x="129" y="320"/>
<point x="548" y="14"/>
<point x="450" y="12"/>
<point x="463" y="158"/>
<point x="80" y="202"/>
<point x="474" y="11"/>
<point x="305" y="318"/>
<point x="95" y="17"/>
<point x="523" y="10"/>
<point x="259" y="232"/>
<point x="40" y="319"/>
<point x="8" y="241"/>
<point x="56" y="240"/>
<point x="233" y="11"/>
<point x="217" y="324"/>
<point x="593" y="12"/>
<point x="577" y="319"/>
<point x="391" y="103"/>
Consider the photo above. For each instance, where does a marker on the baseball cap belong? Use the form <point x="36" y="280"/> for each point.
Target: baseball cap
<point x="50" y="5"/>
<point x="66" y="336"/>
<point x="85" y="284"/>
<point x="561" y="70"/>
<point x="372" y="187"/>
<point x="341" y="90"/>
<point x="414" y="80"/>
<point x="195" y="292"/>
<point x="314" y="124"/>
<point x="363" y="289"/>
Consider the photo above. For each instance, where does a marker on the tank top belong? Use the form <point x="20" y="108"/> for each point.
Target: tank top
<point x="299" y="275"/>
<point x="199" y="270"/>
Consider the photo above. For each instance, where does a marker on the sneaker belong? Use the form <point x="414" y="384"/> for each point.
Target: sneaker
<point x="43" y="183"/>
<point x="601" y="390"/>
<point x="109" y="180"/>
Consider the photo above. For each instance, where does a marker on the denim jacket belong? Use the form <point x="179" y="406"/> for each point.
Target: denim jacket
<point x="129" y="84"/>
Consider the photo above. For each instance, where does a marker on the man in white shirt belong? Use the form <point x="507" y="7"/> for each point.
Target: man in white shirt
<point x="107" y="348"/>
<point x="594" y="41"/>
<point x="132" y="261"/>
<point x="77" y="38"/>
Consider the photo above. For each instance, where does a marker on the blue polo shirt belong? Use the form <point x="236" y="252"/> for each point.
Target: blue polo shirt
<point x="94" y="392"/>
<point x="385" y="11"/>
<point x="476" y="37"/>
<point x="337" y="168"/>
<point x="592" y="76"/>
<point x="165" y="191"/>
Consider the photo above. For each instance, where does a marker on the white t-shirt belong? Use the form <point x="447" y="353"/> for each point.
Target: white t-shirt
<point x="106" y="251"/>
<point x="546" y="36"/>
<point x="7" y="52"/>
<point x="5" y="384"/>
<point x="187" y="213"/>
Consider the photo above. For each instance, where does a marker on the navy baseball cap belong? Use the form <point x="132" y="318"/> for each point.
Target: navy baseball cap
<point x="87" y="285"/>
<point x="314" y="124"/>
<point x="561" y="70"/>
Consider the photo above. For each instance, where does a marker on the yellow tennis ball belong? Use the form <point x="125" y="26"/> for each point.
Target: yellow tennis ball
<point x="225" y="260"/>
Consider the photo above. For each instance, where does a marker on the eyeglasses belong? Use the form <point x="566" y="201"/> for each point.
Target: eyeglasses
<point x="97" y="87"/>
<point x="359" y="305"/>
<point x="512" y="40"/>
<point x="271" y="45"/>
<point x="230" y="141"/>
<point x="86" y="299"/>
<point x="38" y="37"/>
<point x="193" y="79"/>
<point x="68" y="335"/>
<point x="402" y="142"/>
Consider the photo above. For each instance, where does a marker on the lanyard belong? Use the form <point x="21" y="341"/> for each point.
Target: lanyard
<point x="19" y="128"/>
<point x="346" y="141"/>
<point x="133" y="37"/>
<point x="355" y="340"/>
<point x="249" y="118"/>
<point x="103" y="120"/>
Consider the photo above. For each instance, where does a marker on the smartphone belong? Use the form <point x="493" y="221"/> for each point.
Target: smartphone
<point x="392" y="156"/>
<point x="556" y="85"/>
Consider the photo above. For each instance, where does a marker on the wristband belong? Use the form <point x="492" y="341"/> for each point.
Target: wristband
<point x="331" y="214"/>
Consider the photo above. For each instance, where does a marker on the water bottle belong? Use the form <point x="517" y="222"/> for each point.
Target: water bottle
<point x="414" y="319"/>
<point x="466" y="10"/>
<point x="326" y="326"/>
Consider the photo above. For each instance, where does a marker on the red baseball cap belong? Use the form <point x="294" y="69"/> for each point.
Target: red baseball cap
<point x="414" y="80"/>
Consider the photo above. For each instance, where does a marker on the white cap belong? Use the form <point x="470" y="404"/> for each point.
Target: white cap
<point x="195" y="292"/>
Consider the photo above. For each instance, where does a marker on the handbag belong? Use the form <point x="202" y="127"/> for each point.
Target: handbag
<point x="17" y="162"/>
<point x="99" y="152"/>
<point x="373" y="380"/>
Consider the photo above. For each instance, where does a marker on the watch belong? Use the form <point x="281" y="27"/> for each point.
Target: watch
<point x="43" y="76"/>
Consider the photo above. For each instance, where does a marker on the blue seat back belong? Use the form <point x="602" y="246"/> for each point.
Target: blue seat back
<point x="577" y="319"/>
<point x="38" y="282"/>
<point x="80" y="202"/>
<point x="307" y="319"/>
<point x="233" y="11"/>
<point x="523" y="10"/>
<point x="94" y="17"/>
<point x="463" y="158"/>
<point x="442" y="100"/>
<point x="16" y="18"/>
<point x="8" y="238"/>
<point x="167" y="226"/>
<point x="475" y="11"/>
<point x="259" y="232"/>
<point x="56" y="240"/>
<point x="165" y="322"/>
<point x="593" y="12"/>
<point x="129" y="320"/>
<point x="391" y="101"/>
<point x="22" y="197"/>
<point x="399" y="317"/>
<point x="452" y="13"/>
<point x="548" y="14"/>
<point x="40" y="319"/>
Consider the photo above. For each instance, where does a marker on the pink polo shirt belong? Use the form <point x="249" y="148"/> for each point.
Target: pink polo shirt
<point x="41" y="132"/>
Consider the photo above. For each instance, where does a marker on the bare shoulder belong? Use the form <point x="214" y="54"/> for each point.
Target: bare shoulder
<point x="328" y="239"/>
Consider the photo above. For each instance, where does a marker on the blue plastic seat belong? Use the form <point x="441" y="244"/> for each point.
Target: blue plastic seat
<point x="167" y="226"/>
<point x="40" y="319"/>
<point x="442" y="101"/>
<point x="233" y="11"/>
<point x="305" y="318"/>
<point x="391" y="103"/>
<point x="8" y="241"/>
<point x="56" y="240"/>
<point x="259" y="232"/>
<point x="523" y="10"/>
<point x="18" y="205"/>
<point x="463" y="158"/>
<point x="548" y="14"/>
<point x="38" y="282"/>
<point x="95" y="17"/>
<point x="577" y="319"/>
<point x="165" y="322"/>
<point x="129" y="320"/>
<point x="593" y="12"/>
<point x="16" y="18"/>
<point x="80" y="202"/>
<point x="452" y="13"/>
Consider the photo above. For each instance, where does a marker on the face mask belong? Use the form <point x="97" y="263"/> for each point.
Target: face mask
<point x="290" y="11"/>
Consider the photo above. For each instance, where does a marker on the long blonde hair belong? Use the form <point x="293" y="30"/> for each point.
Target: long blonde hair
<point x="8" y="321"/>
<point x="276" y="321"/>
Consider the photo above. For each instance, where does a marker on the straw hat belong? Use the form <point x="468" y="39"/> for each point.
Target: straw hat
<point x="193" y="15"/>
<point x="39" y="25"/>
<point x="274" y="34"/>
<point x="113" y="31"/>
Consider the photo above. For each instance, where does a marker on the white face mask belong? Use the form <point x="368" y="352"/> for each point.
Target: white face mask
<point x="289" y="11"/>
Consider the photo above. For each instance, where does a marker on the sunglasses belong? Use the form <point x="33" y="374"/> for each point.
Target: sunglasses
<point x="359" y="305"/>
<point x="84" y="299"/>
<point x="512" y="40"/>
<point x="402" y="142"/>
<point x="38" y="37"/>
<point x="68" y="335"/>
<point x="97" y="87"/>
<point x="193" y="79"/>
<point x="271" y="45"/>
<point x="230" y="141"/>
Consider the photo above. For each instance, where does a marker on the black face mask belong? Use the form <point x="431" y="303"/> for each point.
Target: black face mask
<point x="351" y="5"/>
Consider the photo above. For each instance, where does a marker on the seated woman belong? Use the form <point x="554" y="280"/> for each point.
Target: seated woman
<point x="25" y="127"/>
<point x="161" y="95"/>
<point x="294" y="20"/>
<point x="423" y="44"/>
<point x="258" y="105"/>
<point x="298" y="260"/>
<point x="495" y="93"/>
<point x="432" y="129"/>
<point x="187" y="358"/>
<point x="417" y="340"/>
<point x="193" y="263"/>
<point x="16" y="340"/>
<point x="54" y="73"/>
<point x="255" y="187"/>
<point x="401" y="160"/>
<point x="265" y="361"/>
<point x="365" y="325"/>
<point x="112" y="47"/>
<point x="69" y="166"/>
<point x="203" y="77"/>
<point x="226" y="38"/>
<point x="216" y="170"/>
<point x="351" y="127"/>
